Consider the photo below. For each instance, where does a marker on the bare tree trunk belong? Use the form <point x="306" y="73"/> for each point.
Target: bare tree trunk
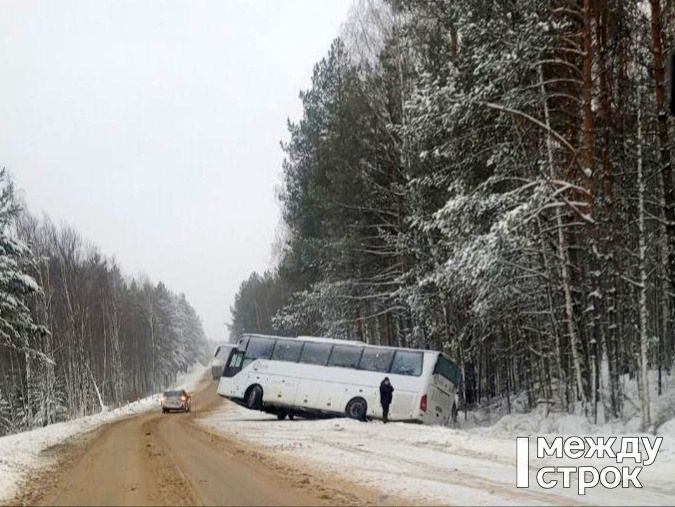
<point x="28" y="397"/>
<point x="642" y="254"/>
<point x="97" y="390"/>
<point x="587" y="146"/>
<point x="563" y="259"/>
<point x="666" y="172"/>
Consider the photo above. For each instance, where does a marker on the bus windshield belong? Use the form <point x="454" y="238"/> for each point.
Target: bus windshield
<point x="223" y="351"/>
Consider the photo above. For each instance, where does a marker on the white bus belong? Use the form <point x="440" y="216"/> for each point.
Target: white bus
<point x="321" y="376"/>
<point x="220" y="357"/>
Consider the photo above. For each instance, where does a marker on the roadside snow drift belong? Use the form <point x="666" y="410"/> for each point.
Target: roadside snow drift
<point x="427" y="464"/>
<point x="22" y="453"/>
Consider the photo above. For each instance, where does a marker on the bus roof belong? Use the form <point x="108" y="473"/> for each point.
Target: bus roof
<point x="360" y="344"/>
<point x="258" y="335"/>
<point x="323" y="339"/>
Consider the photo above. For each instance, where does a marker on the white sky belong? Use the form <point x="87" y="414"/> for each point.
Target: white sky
<point x="153" y="127"/>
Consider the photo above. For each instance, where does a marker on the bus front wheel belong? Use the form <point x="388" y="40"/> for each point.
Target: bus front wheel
<point x="254" y="398"/>
<point x="357" y="408"/>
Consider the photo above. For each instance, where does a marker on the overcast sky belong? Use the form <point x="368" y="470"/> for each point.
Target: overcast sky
<point x="153" y="127"/>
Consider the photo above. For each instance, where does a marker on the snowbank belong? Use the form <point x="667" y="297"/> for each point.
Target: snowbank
<point x="496" y="416"/>
<point x="21" y="453"/>
<point x="432" y="465"/>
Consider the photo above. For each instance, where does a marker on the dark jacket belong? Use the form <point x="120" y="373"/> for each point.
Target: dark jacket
<point x="386" y="391"/>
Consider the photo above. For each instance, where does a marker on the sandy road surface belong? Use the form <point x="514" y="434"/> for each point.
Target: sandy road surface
<point x="156" y="459"/>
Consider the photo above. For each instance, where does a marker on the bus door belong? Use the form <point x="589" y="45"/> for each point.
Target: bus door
<point x="234" y="363"/>
<point x="229" y="380"/>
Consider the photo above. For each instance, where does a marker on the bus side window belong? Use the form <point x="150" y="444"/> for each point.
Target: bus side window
<point x="287" y="350"/>
<point x="345" y="356"/>
<point x="376" y="359"/>
<point x="407" y="363"/>
<point x="260" y="348"/>
<point x="448" y="369"/>
<point x="315" y="353"/>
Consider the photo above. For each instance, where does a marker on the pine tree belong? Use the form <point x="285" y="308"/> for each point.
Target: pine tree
<point x="17" y="329"/>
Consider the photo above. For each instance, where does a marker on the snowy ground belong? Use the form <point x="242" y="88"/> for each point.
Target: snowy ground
<point x="473" y="465"/>
<point x="440" y="465"/>
<point x="21" y="453"/>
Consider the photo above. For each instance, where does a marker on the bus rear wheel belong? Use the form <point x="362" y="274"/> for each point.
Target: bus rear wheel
<point x="254" y="398"/>
<point x="357" y="408"/>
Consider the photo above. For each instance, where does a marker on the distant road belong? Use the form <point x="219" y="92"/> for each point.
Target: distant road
<point x="156" y="459"/>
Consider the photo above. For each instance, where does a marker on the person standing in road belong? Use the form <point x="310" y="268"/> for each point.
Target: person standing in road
<point x="386" y="394"/>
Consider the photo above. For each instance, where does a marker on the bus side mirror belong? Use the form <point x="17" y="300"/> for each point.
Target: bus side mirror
<point x="671" y="82"/>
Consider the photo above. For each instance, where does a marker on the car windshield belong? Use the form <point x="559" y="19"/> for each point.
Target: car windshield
<point x="172" y="394"/>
